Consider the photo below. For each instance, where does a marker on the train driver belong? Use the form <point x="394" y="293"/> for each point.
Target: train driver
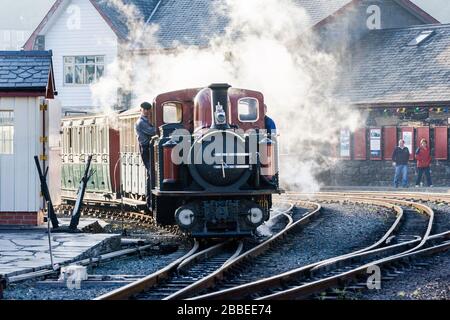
<point x="144" y="132"/>
<point x="269" y="123"/>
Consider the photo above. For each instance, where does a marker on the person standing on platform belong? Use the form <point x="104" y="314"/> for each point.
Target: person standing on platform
<point x="400" y="158"/>
<point x="423" y="158"/>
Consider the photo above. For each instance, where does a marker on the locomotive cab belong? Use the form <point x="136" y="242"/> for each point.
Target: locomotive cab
<point x="214" y="166"/>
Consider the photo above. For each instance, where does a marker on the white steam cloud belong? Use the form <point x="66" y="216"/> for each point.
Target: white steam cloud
<point x="267" y="46"/>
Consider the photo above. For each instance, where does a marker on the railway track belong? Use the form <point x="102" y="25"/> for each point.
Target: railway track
<point x="409" y="236"/>
<point x="115" y="213"/>
<point x="197" y="271"/>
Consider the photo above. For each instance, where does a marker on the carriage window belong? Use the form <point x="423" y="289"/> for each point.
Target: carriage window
<point x="172" y="112"/>
<point x="248" y="109"/>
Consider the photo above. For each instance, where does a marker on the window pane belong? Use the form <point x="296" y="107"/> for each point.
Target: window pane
<point x="100" y="59"/>
<point x="79" y="74"/>
<point x="172" y="113"/>
<point x="248" y="109"/>
<point x="79" y="59"/>
<point x="100" y="70"/>
<point x="90" y="59"/>
<point x="90" y="73"/>
<point x="69" y="59"/>
<point x="68" y="74"/>
<point x="6" y="132"/>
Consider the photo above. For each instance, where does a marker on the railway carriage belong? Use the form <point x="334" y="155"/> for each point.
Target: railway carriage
<point x="90" y="135"/>
<point x="133" y="172"/>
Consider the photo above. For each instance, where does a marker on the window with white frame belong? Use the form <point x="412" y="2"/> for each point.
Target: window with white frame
<point x="83" y="69"/>
<point x="6" y="132"/>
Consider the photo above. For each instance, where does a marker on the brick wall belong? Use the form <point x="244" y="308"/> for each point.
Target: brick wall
<point x="21" y="218"/>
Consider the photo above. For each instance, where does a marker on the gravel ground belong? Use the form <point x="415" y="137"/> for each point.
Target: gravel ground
<point x="128" y="266"/>
<point x="338" y="230"/>
<point x="441" y="216"/>
<point x="125" y="266"/>
<point x="431" y="282"/>
<point x="420" y="283"/>
<point x="132" y="265"/>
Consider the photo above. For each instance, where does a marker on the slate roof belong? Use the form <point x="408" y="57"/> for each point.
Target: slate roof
<point x="384" y="69"/>
<point x="194" y="22"/>
<point x="25" y="70"/>
<point x="321" y="9"/>
<point x="117" y="20"/>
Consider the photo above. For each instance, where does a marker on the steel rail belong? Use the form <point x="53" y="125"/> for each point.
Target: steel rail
<point x="180" y="265"/>
<point x="418" y="196"/>
<point x="261" y="284"/>
<point x="308" y="289"/>
<point x="421" y="207"/>
<point x="211" y="280"/>
<point x="147" y="282"/>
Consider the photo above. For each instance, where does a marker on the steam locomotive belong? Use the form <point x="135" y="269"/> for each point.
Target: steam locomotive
<point x="214" y="167"/>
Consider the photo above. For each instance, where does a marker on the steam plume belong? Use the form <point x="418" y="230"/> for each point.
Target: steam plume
<point x="268" y="46"/>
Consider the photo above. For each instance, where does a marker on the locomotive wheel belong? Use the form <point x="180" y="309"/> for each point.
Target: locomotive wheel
<point x="165" y="210"/>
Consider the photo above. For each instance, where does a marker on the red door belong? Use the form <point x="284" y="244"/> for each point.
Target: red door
<point x="441" y="143"/>
<point x="359" y="151"/>
<point x="389" y="142"/>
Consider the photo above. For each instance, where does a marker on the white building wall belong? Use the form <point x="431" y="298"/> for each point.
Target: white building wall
<point x="19" y="182"/>
<point x="54" y="150"/>
<point x="78" y="30"/>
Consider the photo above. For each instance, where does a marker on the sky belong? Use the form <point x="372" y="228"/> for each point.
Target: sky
<point x="440" y="9"/>
<point x="26" y="14"/>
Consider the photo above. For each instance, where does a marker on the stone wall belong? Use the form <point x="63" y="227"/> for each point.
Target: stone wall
<point x="380" y="173"/>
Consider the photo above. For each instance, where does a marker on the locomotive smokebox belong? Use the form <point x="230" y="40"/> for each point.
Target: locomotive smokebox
<point x="219" y="103"/>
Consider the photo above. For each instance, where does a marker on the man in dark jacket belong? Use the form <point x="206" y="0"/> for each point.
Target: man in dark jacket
<point x="423" y="158"/>
<point x="144" y="132"/>
<point x="400" y="157"/>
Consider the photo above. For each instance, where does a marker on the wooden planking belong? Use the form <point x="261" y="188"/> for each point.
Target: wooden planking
<point x="7" y="165"/>
<point x="359" y="142"/>
<point x="441" y="143"/>
<point x="389" y="142"/>
<point x="19" y="185"/>
<point x="35" y="149"/>
<point x="22" y="141"/>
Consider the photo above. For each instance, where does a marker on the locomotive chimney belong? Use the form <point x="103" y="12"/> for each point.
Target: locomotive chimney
<point x="219" y="102"/>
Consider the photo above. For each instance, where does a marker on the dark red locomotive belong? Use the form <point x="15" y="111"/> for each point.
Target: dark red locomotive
<point x="215" y="167"/>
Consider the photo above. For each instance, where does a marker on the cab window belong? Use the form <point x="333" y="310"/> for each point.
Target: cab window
<point x="172" y="112"/>
<point x="248" y="109"/>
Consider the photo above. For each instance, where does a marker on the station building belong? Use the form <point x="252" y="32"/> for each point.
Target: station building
<point x="27" y="109"/>
<point x="394" y="56"/>
<point x="399" y="78"/>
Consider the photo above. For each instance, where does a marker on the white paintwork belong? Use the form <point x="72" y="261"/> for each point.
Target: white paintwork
<point x="78" y="29"/>
<point x="54" y="150"/>
<point x="19" y="182"/>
